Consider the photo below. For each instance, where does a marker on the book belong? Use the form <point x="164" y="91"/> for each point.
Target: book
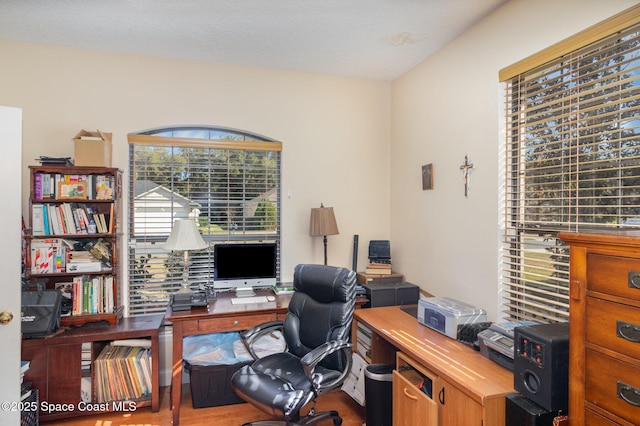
<point x="375" y="268"/>
<point x="37" y="217"/>
<point x="376" y="265"/>
<point x="377" y="271"/>
<point x="142" y="343"/>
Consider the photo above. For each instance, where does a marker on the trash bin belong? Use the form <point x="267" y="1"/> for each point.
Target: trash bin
<point x="378" y="390"/>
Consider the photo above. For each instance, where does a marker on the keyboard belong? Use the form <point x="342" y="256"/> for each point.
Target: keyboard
<point x="249" y="300"/>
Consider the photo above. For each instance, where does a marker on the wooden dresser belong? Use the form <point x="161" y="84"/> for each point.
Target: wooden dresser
<point x="604" y="336"/>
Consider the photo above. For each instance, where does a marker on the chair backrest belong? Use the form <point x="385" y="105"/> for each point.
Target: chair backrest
<point x="320" y="310"/>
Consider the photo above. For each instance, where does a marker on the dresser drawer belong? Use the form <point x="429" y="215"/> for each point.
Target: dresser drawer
<point x="612" y="275"/>
<point x="594" y="419"/>
<point x="237" y="323"/>
<point x="614" y="326"/>
<point x="604" y="376"/>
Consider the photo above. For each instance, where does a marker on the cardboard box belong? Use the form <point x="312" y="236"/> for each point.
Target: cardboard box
<point x="92" y="148"/>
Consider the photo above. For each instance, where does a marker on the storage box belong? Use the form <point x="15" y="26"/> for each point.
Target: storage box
<point x="391" y="293"/>
<point x="211" y="384"/>
<point x="92" y="148"/>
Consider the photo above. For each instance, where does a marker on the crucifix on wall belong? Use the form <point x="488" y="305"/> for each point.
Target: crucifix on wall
<point x="466" y="168"/>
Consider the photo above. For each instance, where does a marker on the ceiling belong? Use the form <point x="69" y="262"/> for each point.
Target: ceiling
<point x="377" y="39"/>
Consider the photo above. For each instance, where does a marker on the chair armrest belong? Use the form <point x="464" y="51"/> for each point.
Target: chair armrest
<point x="251" y="335"/>
<point x="313" y="358"/>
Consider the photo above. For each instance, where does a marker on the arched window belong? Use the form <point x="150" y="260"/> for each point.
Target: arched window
<point x="228" y="181"/>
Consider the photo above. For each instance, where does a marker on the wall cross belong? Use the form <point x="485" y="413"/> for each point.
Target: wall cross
<point x="466" y="168"/>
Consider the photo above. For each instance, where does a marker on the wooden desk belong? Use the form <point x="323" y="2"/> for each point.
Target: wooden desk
<point x="220" y="316"/>
<point x="56" y="361"/>
<point x="473" y="386"/>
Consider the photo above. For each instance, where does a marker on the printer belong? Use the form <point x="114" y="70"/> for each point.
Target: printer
<point x="448" y="315"/>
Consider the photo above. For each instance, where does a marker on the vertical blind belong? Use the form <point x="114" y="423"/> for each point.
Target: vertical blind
<point x="226" y="181"/>
<point x="572" y="163"/>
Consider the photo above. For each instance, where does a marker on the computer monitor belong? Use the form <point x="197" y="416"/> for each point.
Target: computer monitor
<point x="244" y="266"/>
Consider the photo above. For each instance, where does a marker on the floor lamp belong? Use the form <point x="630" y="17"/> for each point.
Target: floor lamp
<point x="323" y="223"/>
<point x="185" y="236"/>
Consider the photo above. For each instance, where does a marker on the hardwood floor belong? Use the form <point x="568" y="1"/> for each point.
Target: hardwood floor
<point x="230" y="415"/>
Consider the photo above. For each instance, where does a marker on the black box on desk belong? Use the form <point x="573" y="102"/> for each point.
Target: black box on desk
<point x="391" y="293"/>
<point x="521" y="411"/>
<point x="211" y="384"/>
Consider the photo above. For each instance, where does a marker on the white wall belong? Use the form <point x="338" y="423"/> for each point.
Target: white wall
<point x="334" y="130"/>
<point x="450" y="106"/>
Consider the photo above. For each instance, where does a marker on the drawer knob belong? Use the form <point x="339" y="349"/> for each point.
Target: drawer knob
<point x="633" y="279"/>
<point x="629" y="394"/>
<point x="628" y="331"/>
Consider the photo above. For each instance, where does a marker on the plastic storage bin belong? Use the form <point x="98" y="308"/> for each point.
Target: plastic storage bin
<point x="211" y="385"/>
<point x="378" y="390"/>
<point x="211" y="360"/>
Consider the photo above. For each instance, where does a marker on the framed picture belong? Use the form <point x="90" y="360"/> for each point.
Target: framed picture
<point x="427" y="176"/>
<point x="72" y="190"/>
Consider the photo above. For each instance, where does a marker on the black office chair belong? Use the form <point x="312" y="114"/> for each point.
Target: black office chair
<point x="318" y="354"/>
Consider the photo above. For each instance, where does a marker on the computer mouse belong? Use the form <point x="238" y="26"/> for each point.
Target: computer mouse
<point x="271" y="298"/>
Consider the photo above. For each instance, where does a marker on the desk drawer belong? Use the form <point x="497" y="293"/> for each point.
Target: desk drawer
<point x="216" y="325"/>
<point x="613" y="326"/>
<point x="604" y="375"/>
<point x="612" y="275"/>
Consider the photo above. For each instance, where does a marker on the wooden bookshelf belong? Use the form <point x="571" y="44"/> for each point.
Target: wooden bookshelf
<point x="74" y="212"/>
<point x="57" y="369"/>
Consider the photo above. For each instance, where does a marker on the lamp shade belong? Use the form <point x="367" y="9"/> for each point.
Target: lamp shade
<point x="185" y="236"/>
<point x="323" y="222"/>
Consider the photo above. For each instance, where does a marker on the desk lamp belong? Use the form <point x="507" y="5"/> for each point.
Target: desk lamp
<point x="323" y="223"/>
<point x="185" y="236"/>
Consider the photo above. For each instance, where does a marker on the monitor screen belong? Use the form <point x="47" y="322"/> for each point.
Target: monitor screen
<point x="244" y="265"/>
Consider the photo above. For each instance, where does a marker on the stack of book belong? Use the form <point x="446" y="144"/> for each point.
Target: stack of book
<point x="55" y="161"/>
<point x="375" y="268"/>
<point x="83" y="261"/>
<point x="92" y="295"/>
<point x="123" y="371"/>
<point x="69" y="219"/>
<point x="28" y="398"/>
<point x="24" y="367"/>
<point x="49" y="255"/>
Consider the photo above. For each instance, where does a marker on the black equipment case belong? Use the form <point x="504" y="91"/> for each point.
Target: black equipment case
<point x="40" y="312"/>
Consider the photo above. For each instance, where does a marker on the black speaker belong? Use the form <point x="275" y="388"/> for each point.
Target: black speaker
<point x="522" y="411"/>
<point x="541" y="364"/>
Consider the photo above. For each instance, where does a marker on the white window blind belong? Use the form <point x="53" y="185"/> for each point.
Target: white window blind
<point x="572" y="163"/>
<point x="227" y="181"/>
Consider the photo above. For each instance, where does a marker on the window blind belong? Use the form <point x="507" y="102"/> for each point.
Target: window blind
<point x="226" y="181"/>
<point x="572" y="163"/>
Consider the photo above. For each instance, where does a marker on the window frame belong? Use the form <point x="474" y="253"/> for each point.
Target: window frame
<point x="537" y="289"/>
<point x="244" y="153"/>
